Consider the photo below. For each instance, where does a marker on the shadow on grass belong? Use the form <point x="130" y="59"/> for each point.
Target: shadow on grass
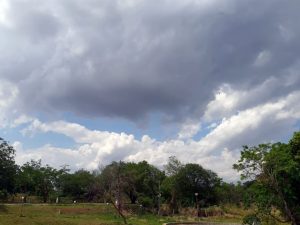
<point x="3" y="209"/>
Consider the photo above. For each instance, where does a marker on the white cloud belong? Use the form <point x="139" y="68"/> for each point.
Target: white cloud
<point x="229" y="100"/>
<point x="22" y="119"/>
<point x="4" y="7"/>
<point x="8" y="95"/>
<point x="218" y="150"/>
<point x="189" y="129"/>
<point x="226" y="100"/>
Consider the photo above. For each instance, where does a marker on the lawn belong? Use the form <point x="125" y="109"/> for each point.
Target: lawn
<point x="81" y="214"/>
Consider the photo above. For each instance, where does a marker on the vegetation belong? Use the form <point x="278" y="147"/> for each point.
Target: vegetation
<point x="272" y="172"/>
<point x="7" y="169"/>
<point x="92" y="214"/>
<point x="270" y="187"/>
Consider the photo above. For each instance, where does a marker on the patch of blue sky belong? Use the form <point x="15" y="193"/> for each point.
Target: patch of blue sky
<point x="12" y="134"/>
<point x="37" y="140"/>
<point x="54" y="139"/>
<point x="201" y="133"/>
<point x="205" y="130"/>
<point x="287" y="135"/>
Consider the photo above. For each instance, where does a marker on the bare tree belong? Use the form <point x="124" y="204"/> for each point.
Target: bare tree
<point x="114" y="182"/>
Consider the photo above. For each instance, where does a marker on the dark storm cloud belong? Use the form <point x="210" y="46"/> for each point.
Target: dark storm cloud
<point x="107" y="58"/>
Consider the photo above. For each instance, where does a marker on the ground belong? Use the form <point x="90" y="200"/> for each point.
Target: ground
<point x="83" y="214"/>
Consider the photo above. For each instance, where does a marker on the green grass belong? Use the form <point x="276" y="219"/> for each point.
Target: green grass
<point x="82" y="214"/>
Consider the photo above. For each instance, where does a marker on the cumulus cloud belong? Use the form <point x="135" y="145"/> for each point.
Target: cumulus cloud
<point x="218" y="150"/>
<point x="229" y="101"/>
<point x="189" y="129"/>
<point x="100" y="148"/>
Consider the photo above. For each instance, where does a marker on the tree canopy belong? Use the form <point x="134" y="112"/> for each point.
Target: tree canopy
<point x="274" y="173"/>
<point x="8" y="168"/>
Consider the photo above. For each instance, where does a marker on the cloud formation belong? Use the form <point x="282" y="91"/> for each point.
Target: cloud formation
<point x="218" y="150"/>
<point x="228" y="69"/>
<point x="131" y="58"/>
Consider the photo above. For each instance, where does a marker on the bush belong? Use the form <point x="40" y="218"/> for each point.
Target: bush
<point x="251" y="219"/>
<point x="3" y="195"/>
<point x="146" y="201"/>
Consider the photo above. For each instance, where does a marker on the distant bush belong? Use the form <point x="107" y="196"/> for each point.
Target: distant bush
<point x="251" y="219"/>
<point x="3" y="195"/>
<point x="146" y="201"/>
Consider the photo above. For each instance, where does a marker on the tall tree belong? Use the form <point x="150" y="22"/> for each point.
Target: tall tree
<point x="194" y="179"/>
<point x="114" y="182"/>
<point x="143" y="182"/>
<point x="274" y="173"/>
<point x="7" y="168"/>
<point x="173" y="166"/>
<point x="189" y="183"/>
<point x="169" y="186"/>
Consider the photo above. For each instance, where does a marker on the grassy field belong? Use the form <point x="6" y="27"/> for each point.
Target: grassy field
<point x="83" y="214"/>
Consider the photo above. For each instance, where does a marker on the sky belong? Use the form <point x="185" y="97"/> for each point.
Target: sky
<point x="87" y="82"/>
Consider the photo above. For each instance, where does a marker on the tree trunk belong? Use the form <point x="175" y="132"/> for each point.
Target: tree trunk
<point x="119" y="210"/>
<point x="289" y="213"/>
<point x="173" y="202"/>
<point x="132" y="197"/>
<point x="287" y="210"/>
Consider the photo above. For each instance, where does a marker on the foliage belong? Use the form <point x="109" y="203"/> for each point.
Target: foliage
<point x="173" y="166"/>
<point x="145" y="181"/>
<point x="77" y="185"/>
<point x="251" y="219"/>
<point x="7" y="169"/>
<point x="36" y="179"/>
<point x="193" y="179"/>
<point x="187" y="181"/>
<point x="271" y="172"/>
<point x="274" y="172"/>
<point x="230" y="193"/>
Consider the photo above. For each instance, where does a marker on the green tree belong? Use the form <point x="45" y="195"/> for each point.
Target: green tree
<point x="189" y="184"/>
<point x="193" y="178"/>
<point x="143" y="182"/>
<point x="77" y="185"/>
<point x="173" y="166"/>
<point x="273" y="171"/>
<point x="170" y="187"/>
<point x="36" y="179"/>
<point x="8" y="169"/>
<point x="230" y="193"/>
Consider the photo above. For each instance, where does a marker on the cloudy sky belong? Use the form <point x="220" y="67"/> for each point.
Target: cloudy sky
<point x="85" y="82"/>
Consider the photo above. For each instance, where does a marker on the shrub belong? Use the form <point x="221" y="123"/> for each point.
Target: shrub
<point x="251" y="219"/>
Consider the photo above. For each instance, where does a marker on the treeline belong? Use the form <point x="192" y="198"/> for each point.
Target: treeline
<point x="270" y="175"/>
<point x="178" y="185"/>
